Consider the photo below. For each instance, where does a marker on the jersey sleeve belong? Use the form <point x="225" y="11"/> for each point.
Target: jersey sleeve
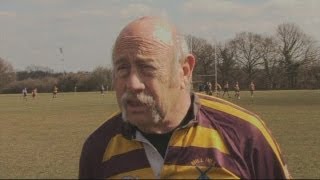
<point x="265" y="162"/>
<point x="85" y="164"/>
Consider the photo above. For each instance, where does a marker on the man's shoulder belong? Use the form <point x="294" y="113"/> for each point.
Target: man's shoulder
<point x="216" y="103"/>
<point x="111" y="127"/>
<point x="243" y="132"/>
<point x="236" y="124"/>
<point x="221" y="112"/>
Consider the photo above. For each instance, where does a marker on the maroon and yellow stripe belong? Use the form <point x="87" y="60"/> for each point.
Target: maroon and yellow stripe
<point x="144" y="173"/>
<point x="199" y="136"/>
<point x="120" y="145"/>
<point x="199" y="156"/>
<point x="191" y="172"/>
<point x="117" y="165"/>
<point x="229" y="108"/>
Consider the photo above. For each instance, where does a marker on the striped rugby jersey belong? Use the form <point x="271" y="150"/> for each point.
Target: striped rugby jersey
<point x="221" y="140"/>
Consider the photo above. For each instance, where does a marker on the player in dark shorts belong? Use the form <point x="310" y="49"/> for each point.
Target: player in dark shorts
<point x="102" y="90"/>
<point x="209" y="88"/>
<point x="34" y="93"/>
<point x="237" y="90"/>
<point x="24" y="93"/>
<point x="55" y="92"/>
<point x="226" y="89"/>
<point x="252" y="88"/>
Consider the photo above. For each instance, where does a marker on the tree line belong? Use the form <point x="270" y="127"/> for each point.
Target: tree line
<point x="44" y="79"/>
<point x="288" y="59"/>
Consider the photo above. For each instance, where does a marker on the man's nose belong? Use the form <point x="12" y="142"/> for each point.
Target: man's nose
<point x="134" y="82"/>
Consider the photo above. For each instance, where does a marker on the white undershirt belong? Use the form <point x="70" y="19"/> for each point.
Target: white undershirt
<point x="154" y="157"/>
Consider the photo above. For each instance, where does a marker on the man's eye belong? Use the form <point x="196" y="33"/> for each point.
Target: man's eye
<point x="123" y="70"/>
<point x="147" y="67"/>
<point x="123" y="67"/>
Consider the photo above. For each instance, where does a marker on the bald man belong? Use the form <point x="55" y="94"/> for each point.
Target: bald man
<point x="164" y="130"/>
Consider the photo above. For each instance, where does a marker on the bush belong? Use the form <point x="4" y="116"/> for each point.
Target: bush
<point x="43" y="85"/>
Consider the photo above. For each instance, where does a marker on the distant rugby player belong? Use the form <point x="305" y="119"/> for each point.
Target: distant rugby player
<point x="24" y="93"/>
<point x="55" y="92"/>
<point x="252" y="88"/>
<point x="226" y="89"/>
<point x="237" y="90"/>
<point x="209" y="88"/>
<point x="102" y="90"/>
<point x="34" y="93"/>
<point x="218" y="89"/>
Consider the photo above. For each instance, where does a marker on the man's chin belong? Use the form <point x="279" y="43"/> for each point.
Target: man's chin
<point x="131" y="113"/>
<point x="140" y="117"/>
<point x="135" y="116"/>
<point x="136" y="110"/>
<point x="139" y="122"/>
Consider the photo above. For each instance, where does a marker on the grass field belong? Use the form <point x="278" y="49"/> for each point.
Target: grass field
<point x="42" y="138"/>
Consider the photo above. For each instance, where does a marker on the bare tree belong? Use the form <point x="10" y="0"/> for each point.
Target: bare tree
<point x="7" y="74"/>
<point x="248" y="55"/>
<point x="226" y="60"/>
<point x="309" y="72"/>
<point x="204" y="53"/>
<point x="101" y="76"/>
<point x="271" y="60"/>
<point x="296" y="49"/>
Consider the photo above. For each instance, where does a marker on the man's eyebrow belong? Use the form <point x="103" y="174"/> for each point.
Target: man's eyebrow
<point x="143" y="61"/>
<point x="120" y="60"/>
<point x="140" y="59"/>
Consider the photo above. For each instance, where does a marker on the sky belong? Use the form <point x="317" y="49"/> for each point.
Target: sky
<point x="33" y="31"/>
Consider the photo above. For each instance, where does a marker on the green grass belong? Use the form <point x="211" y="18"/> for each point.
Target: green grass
<point x="42" y="138"/>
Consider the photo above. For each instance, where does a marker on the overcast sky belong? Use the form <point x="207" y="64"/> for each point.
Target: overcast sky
<point x="32" y="31"/>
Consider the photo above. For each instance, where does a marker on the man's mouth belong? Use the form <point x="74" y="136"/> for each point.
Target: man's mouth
<point x="134" y="103"/>
<point x="135" y="106"/>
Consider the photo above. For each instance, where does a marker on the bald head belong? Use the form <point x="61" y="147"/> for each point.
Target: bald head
<point x="151" y="27"/>
<point x="155" y="34"/>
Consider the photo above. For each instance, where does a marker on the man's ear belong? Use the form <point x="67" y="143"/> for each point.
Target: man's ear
<point x="187" y="68"/>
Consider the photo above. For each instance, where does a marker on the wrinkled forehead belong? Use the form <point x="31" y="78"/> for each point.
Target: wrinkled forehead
<point x="147" y="37"/>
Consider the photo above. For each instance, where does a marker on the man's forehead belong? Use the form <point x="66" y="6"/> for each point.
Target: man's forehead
<point x="150" y="28"/>
<point x="132" y="47"/>
<point x="136" y="58"/>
